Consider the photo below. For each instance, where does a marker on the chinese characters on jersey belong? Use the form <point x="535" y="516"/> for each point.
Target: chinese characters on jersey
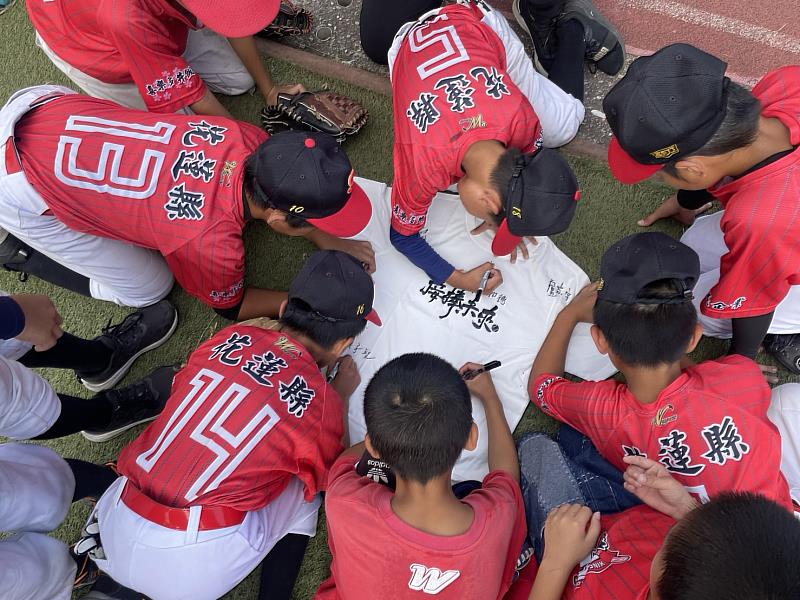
<point x="723" y="442"/>
<point x="261" y="368"/>
<point x="457" y="91"/>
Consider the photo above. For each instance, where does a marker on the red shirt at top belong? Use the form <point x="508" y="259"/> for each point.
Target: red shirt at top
<point x="172" y="183"/>
<point x="377" y="555"/>
<point x="124" y="41"/>
<point x="761" y="224"/>
<point x="450" y="90"/>
<point x="249" y="411"/>
<point x="709" y="427"/>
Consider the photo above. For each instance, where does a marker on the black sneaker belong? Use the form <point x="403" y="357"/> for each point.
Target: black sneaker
<point x="602" y="38"/>
<point x="541" y="31"/>
<point x="138" y="403"/>
<point x="87" y="572"/>
<point x="785" y="348"/>
<point x="143" y="330"/>
<point x="106" y="588"/>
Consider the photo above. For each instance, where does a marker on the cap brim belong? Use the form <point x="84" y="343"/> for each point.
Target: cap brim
<point x="351" y="219"/>
<point x="245" y="17"/>
<point x="504" y="241"/>
<point x="373" y="318"/>
<point x="624" y="168"/>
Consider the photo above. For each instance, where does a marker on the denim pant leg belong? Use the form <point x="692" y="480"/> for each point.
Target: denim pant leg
<point x="600" y="482"/>
<point x="547" y="481"/>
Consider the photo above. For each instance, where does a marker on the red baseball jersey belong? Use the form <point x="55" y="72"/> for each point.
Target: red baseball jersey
<point x="450" y="89"/>
<point x="248" y="411"/>
<point x="172" y="183"/>
<point x="761" y="224"/>
<point x="377" y="555"/>
<point x="709" y="427"/>
<point x="116" y="41"/>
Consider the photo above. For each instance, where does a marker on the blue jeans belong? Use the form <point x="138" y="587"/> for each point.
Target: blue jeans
<point x="563" y="471"/>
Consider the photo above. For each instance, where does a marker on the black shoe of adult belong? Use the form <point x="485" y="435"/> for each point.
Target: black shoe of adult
<point x="140" y="331"/>
<point x="605" y="49"/>
<point x="138" y="403"/>
<point x="106" y="588"/>
<point x="541" y="29"/>
<point x="785" y="348"/>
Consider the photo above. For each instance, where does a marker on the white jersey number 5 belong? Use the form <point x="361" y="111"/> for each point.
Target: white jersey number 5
<point x="204" y="384"/>
<point x="106" y="178"/>
<point x="446" y="38"/>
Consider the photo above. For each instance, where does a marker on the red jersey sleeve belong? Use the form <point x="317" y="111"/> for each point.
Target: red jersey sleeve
<point x="591" y="407"/>
<point x="755" y="274"/>
<point x="414" y="187"/>
<point x="313" y="469"/>
<point x="214" y="274"/>
<point x="165" y="80"/>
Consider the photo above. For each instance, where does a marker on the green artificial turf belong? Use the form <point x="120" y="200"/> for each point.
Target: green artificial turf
<point x="607" y="212"/>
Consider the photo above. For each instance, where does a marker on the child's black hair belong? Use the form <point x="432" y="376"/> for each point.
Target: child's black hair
<point x="501" y="177"/>
<point x="418" y="414"/>
<point x="647" y="335"/>
<point x="301" y="318"/>
<point x="738" y="130"/>
<point x="739" y="546"/>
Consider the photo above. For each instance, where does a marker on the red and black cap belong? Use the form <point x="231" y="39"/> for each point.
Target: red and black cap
<point x="309" y="175"/>
<point x="238" y="18"/>
<point x="667" y="106"/>
<point x="540" y="200"/>
<point x="334" y="287"/>
<point x="640" y="259"/>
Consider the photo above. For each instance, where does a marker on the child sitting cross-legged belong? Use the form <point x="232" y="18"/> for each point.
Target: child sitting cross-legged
<point x="421" y="539"/>
<point x="705" y="423"/>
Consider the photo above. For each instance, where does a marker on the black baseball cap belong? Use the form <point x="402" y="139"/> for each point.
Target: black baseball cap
<point x="336" y="288"/>
<point x="309" y="174"/>
<point x="640" y="259"/>
<point x="540" y="200"/>
<point x="668" y="105"/>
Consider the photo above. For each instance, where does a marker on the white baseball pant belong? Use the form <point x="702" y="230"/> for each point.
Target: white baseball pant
<point x="169" y="564"/>
<point x="36" y="488"/>
<point x="784" y="412"/>
<point x="118" y="272"/>
<point x="560" y="113"/>
<point x="210" y="55"/>
<point x="705" y="237"/>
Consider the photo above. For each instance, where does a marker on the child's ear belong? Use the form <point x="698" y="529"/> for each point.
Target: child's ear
<point x="491" y="200"/>
<point x="472" y="438"/>
<point x="339" y="347"/>
<point x="370" y="447"/>
<point x="282" y="308"/>
<point x="691" y="169"/>
<point x="695" y="339"/>
<point x="600" y="340"/>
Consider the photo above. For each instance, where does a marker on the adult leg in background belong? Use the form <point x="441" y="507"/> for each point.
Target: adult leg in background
<point x="380" y="20"/>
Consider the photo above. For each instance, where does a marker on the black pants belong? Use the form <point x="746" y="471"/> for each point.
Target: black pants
<point x="380" y="20"/>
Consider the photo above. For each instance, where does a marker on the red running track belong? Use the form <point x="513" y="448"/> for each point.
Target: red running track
<point x="753" y="37"/>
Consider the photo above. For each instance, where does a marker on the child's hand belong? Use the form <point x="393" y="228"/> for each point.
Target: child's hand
<point x="583" y="303"/>
<point x="570" y="533"/>
<point x="482" y="385"/>
<point x="347" y="378"/>
<point x="650" y="481"/>
<point x="671" y="208"/>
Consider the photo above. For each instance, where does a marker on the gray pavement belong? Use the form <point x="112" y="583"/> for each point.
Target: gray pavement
<point x="335" y="36"/>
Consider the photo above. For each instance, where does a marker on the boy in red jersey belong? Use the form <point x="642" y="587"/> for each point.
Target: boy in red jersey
<point x="706" y="423"/>
<point x="677" y="115"/>
<point x="470" y="110"/>
<point x="421" y="539"/>
<point x="159" y="55"/>
<point x="125" y="199"/>
<point x="235" y="461"/>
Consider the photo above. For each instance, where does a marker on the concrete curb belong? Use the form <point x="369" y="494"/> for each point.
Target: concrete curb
<point x="380" y="84"/>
